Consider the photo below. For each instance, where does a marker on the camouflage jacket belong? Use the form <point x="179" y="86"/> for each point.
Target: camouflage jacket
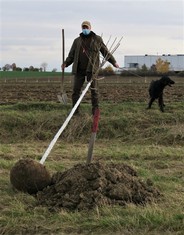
<point x="96" y="46"/>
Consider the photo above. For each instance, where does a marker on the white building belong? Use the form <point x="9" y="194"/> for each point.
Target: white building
<point x="137" y="61"/>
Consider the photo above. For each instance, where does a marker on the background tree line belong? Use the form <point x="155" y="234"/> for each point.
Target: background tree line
<point x="159" y="68"/>
<point x="14" y="67"/>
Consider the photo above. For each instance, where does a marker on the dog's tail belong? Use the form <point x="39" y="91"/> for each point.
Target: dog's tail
<point x="150" y="87"/>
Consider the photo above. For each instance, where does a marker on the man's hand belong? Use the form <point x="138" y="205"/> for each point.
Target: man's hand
<point x="63" y="66"/>
<point x="116" y="65"/>
<point x="89" y="77"/>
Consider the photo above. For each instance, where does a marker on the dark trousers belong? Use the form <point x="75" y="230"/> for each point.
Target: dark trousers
<point x="79" y="80"/>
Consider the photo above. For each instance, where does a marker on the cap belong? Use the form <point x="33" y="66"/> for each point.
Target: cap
<point x="87" y="23"/>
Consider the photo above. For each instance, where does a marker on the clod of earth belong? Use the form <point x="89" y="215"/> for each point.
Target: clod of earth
<point x="29" y="176"/>
<point x="84" y="187"/>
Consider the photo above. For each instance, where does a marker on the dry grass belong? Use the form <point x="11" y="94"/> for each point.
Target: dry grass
<point x="150" y="142"/>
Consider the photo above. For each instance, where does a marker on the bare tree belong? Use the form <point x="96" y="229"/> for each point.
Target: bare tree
<point x="31" y="68"/>
<point x="7" y="67"/>
<point x="13" y="66"/>
<point x="44" y="66"/>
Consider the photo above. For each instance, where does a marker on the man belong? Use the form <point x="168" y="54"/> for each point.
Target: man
<point x="85" y="56"/>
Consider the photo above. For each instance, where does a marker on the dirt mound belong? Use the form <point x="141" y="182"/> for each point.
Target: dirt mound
<point x="29" y="176"/>
<point x="86" y="186"/>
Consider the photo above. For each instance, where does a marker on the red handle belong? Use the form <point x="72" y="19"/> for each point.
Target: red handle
<point x="95" y="120"/>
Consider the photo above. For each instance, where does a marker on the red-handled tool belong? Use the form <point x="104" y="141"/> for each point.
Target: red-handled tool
<point x="93" y="135"/>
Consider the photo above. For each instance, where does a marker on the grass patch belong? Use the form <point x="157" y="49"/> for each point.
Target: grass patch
<point x="29" y="74"/>
<point x="127" y="122"/>
<point x="148" y="141"/>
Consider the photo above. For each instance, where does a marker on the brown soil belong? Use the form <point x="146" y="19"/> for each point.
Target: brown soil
<point x="84" y="187"/>
<point x="111" y="91"/>
<point x="29" y="176"/>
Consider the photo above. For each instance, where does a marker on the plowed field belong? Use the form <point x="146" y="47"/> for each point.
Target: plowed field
<point x="114" y="90"/>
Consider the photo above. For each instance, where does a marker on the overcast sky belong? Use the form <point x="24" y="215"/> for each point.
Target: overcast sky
<point x="30" y="30"/>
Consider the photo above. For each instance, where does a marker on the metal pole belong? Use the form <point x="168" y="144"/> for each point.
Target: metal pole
<point x="93" y="136"/>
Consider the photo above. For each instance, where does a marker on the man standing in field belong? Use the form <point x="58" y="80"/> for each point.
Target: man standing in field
<point x="85" y="56"/>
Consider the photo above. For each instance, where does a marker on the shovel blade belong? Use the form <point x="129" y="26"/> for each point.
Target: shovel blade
<point x="62" y="98"/>
<point x="90" y="148"/>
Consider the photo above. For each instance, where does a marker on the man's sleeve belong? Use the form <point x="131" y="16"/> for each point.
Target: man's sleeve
<point x="69" y="60"/>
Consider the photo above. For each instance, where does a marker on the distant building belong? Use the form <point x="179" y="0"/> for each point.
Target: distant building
<point x="137" y="61"/>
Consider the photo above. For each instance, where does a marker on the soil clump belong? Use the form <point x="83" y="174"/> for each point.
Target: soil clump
<point x="86" y="186"/>
<point x="29" y="176"/>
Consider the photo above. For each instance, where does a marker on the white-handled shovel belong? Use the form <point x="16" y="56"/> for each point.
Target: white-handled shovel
<point x="52" y="143"/>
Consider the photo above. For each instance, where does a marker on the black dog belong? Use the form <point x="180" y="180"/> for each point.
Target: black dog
<point x="156" y="91"/>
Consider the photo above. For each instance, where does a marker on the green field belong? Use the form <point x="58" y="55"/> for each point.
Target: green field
<point x="29" y="74"/>
<point x="149" y="141"/>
